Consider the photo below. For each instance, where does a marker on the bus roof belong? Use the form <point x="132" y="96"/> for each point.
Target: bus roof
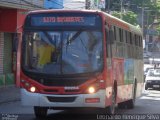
<point x="130" y="27"/>
<point x="61" y="10"/>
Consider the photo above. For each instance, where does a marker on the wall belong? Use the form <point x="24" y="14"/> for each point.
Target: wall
<point x="23" y="4"/>
<point x="11" y="19"/>
<point x="21" y="14"/>
<point x="8" y="20"/>
<point x="1" y="51"/>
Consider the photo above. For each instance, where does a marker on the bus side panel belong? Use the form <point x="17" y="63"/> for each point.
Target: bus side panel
<point x="132" y="71"/>
<point x="118" y="76"/>
<point x="125" y="80"/>
<point x="109" y="82"/>
<point x="108" y="96"/>
<point x="115" y="73"/>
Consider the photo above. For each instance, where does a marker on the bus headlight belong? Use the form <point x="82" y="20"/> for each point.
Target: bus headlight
<point x="33" y="89"/>
<point x="91" y="90"/>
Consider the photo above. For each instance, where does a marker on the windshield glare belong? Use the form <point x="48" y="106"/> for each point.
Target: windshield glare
<point x="62" y="52"/>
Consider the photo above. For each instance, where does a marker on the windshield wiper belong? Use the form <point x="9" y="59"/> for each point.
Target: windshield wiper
<point x="93" y="39"/>
<point x="74" y="37"/>
<point x="49" y="38"/>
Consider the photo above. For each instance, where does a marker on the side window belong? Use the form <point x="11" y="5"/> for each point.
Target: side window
<point x="108" y="49"/>
<point x="110" y="40"/>
<point x="140" y="42"/>
<point x="121" y="35"/>
<point x="127" y="37"/>
<point x="124" y="36"/>
<point x="117" y="34"/>
<point x="133" y="39"/>
<point x="136" y="40"/>
<point x="115" y="37"/>
<point x="130" y="36"/>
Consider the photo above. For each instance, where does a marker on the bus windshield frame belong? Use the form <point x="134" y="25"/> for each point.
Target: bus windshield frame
<point x="83" y="42"/>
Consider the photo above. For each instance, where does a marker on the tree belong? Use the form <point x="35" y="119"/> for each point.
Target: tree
<point x="158" y="27"/>
<point x="151" y="9"/>
<point x="128" y="16"/>
<point x="115" y="5"/>
<point x="136" y="7"/>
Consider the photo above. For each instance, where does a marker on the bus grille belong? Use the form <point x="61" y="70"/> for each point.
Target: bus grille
<point x="61" y="81"/>
<point x="61" y="99"/>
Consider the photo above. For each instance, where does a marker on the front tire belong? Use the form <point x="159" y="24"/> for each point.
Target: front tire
<point x="122" y="105"/>
<point x="40" y="112"/>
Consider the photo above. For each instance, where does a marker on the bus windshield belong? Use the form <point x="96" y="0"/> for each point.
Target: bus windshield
<point x="62" y="52"/>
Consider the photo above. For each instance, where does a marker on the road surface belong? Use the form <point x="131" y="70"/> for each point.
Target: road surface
<point x="147" y="107"/>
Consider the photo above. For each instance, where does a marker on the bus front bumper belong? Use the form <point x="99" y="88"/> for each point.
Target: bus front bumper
<point x="48" y="100"/>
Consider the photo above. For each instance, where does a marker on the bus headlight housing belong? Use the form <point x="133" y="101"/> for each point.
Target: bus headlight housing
<point x="28" y="86"/>
<point x="93" y="88"/>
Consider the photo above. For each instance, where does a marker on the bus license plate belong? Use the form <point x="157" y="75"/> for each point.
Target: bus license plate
<point x="156" y="86"/>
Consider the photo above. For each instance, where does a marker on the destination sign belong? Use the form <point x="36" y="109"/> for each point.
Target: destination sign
<point x="63" y="19"/>
<point x="66" y="20"/>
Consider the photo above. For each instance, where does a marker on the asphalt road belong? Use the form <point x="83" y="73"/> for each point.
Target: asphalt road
<point x="147" y="107"/>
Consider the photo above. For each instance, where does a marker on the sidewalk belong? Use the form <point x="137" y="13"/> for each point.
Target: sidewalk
<point x="9" y="94"/>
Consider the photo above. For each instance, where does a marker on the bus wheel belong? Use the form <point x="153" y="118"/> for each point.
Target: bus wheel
<point x="122" y="105"/>
<point x="40" y="112"/>
<point x="112" y="108"/>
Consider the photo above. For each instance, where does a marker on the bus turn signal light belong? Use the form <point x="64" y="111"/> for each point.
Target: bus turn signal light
<point x="92" y="100"/>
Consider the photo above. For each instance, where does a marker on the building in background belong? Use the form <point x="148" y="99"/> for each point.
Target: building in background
<point x="96" y="4"/>
<point x="85" y="4"/>
<point x="12" y="14"/>
<point x="74" y="4"/>
<point x="153" y="41"/>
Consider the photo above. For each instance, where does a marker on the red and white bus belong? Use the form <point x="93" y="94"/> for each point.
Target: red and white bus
<point x="79" y="59"/>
